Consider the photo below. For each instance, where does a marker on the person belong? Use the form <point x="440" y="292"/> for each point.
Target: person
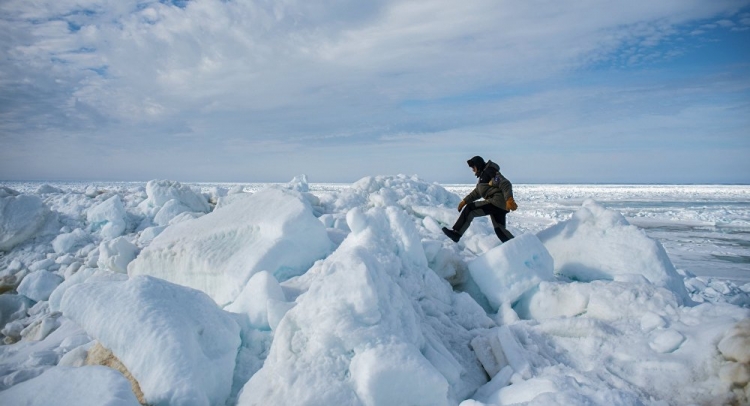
<point x="497" y="192"/>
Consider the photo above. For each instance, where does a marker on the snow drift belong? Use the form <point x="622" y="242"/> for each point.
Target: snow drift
<point x="174" y="340"/>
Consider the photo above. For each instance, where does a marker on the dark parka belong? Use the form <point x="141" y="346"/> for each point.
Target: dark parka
<point x="487" y="189"/>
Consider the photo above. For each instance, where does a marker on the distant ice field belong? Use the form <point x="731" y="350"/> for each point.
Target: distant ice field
<point x="704" y="228"/>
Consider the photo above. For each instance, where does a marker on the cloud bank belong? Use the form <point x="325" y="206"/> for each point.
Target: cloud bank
<point x="264" y="90"/>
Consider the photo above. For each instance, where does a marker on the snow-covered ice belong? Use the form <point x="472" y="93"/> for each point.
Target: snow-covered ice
<point x="299" y="293"/>
<point x="272" y="230"/>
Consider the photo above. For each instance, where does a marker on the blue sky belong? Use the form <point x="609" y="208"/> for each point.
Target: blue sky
<point x="262" y="91"/>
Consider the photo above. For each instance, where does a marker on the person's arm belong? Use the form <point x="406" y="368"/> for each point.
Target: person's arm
<point x="507" y="188"/>
<point x="471" y="197"/>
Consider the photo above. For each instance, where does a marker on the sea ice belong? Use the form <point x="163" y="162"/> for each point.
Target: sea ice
<point x="350" y="294"/>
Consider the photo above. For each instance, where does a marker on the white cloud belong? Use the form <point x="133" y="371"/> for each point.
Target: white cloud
<point x="278" y="76"/>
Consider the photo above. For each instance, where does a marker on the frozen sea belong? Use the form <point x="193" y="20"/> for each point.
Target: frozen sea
<point x="704" y="228"/>
<point x="325" y="293"/>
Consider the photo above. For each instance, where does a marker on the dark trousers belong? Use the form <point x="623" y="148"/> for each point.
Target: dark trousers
<point x="479" y="209"/>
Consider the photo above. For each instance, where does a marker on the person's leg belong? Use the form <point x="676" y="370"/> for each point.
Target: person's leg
<point x="498" y="223"/>
<point x="469" y="213"/>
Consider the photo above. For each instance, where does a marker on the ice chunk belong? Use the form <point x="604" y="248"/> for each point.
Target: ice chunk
<point x="522" y="392"/>
<point x="597" y="243"/>
<point x="116" y="254"/>
<point x="666" y="340"/>
<point x="397" y="375"/>
<point x="148" y="235"/>
<point x="651" y="321"/>
<point x="12" y="307"/>
<point x="253" y="300"/>
<point x="552" y="299"/>
<point x="69" y="242"/>
<point x="497" y="382"/>
<point x="407" y="192"/>
<point x="277" y="309"/>
<point x="159" y="192"/>
<point x="273" y="230"/>
<point x="299" y="183"/>
<point x="47" y="188"/>
<point x="174" y="340"/>
<point x="505" y="272"/>
<point x="89" y="385"/>
<point x="108" y="217"/>
<point x="21" y="217"/>
<point x="169" y="211"/>
<point x="38" y="285"/>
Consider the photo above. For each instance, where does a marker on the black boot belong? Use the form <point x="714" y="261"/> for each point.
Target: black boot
<point x="452" y="234"/>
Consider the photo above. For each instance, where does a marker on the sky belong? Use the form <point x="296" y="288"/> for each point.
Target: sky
<point x="584" y="91"/>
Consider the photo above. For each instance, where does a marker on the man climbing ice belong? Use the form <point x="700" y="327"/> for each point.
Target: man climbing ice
<point x="497" y="192"/>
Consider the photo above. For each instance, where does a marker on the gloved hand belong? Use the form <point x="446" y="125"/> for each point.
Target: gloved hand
<point x="510" y="204"/>
<point x="461" y="205"/>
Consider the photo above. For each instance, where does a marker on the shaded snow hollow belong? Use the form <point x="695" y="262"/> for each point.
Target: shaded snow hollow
<point x="351" y="296"/>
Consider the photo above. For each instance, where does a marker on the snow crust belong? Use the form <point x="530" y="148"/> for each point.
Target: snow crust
<point x="295" y="293"/>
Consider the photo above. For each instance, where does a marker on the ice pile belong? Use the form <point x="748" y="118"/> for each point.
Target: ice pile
<point x="597" y="243"/>
<point x="175" y="341"/>
<point x="348" y="296"/>
<point x="272" y="230"/>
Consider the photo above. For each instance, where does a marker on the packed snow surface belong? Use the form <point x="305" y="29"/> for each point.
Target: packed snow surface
<point x="309" y="294"/>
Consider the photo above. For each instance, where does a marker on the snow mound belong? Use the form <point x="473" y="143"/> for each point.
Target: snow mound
<point x="507" y="271"/>
<point x="273" y="230"/>
<point x="599" y="244"/>
<point x="21" y="217"/>
<point x="90" y="385"/>
<point x="374" y="317"/>
<point x="174" y="340"/>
